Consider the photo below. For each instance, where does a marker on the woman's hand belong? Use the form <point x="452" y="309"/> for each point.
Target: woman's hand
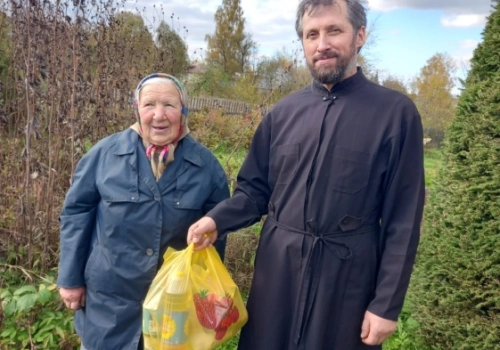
<point x="74" y="298"/>
<point x="202" y="233"/>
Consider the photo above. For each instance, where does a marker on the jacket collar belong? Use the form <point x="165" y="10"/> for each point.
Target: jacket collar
<point x="126" y="142"/>
<point x="189" y="151"/>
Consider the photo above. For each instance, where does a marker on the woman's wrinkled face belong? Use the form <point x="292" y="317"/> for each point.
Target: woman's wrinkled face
<point x="160" y="113"/>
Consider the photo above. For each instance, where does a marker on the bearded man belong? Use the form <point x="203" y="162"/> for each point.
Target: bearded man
<point x="337" y="167"/>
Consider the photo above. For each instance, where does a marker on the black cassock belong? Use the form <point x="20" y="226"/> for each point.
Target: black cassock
<point x="340" y="175"/>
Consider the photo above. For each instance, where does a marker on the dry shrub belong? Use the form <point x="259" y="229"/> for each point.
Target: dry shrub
<point x="66" y="85"/>
<point x="229" y="134"/>
<point x="219" y="131"/>
<point x="240" y="255"/>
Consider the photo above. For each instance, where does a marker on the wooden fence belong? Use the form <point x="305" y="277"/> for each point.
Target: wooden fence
<point x="231" y="107"/>
<point x="196" y="104"/>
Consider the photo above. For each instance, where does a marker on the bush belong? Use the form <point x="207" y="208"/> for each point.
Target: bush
<point x="219" y="132"/>
<point x="455" y="291"/>
<point x="34" y="317"/>
<point x="405" y="336"/>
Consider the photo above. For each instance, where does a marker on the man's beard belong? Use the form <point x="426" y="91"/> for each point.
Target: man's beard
<point x="333" y="75"/>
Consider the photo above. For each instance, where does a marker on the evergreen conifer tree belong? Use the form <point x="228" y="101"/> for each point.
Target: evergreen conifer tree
<point x="455" y="290"/>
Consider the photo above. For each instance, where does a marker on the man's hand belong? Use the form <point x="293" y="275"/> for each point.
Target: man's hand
<point x="376" y="329"/>
<point x="74" y="298"/>
<point x="202" y="233"/>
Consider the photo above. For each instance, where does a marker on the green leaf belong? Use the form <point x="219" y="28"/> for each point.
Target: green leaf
<point x="51" y="314"/>
<point x="46" y="330"/>
<point x="46" y="321"/>
<point x="25" y="289"/>
<point x="26" y="302"/>
<point x="51" y="337"/>
<point x="10" y="308"/>
<point x="5" y="294"/>
<point x="44" y="296"/>
<point x="60" y="332"/>
<point x="8" y="333"/>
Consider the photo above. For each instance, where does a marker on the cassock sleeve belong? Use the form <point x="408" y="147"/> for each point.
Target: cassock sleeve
<point x="77" y="222"/>
<point x="251" y="196"/>
<point x="401" y="216"/>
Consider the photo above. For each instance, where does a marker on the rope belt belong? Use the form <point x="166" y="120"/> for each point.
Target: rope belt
<point x="312" y="275"/>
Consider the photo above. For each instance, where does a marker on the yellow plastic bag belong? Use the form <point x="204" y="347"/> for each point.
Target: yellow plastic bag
<point x="192" y="304"/>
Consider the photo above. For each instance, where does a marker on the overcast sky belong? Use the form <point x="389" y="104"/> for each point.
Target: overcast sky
<point x="406" y="32"/>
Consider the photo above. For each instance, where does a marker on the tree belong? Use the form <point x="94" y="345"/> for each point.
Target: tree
<point x="366" y="58"/>
<point x="172" y="51"/>
<point x="274" y="72"/>
<point x="133" y="44"/>
<point x="119" y="52"/>
<point x="455" y="292"/>
<point x="369" y="69"/>
<point x="395" y="83"/>
<point x="432" y="88"/>
<point x="213" y="82"/>
<point x="280" y="75"/>
<point x="230" y="47"/>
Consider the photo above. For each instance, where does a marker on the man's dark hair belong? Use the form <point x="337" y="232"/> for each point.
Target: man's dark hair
<point x="356" y="12"/>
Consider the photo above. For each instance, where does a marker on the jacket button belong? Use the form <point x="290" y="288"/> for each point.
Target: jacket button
<point x="345" y="221"/>
<point x="149" y="251"/>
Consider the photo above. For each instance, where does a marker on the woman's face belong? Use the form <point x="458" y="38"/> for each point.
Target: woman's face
<point x="160" y="113"/>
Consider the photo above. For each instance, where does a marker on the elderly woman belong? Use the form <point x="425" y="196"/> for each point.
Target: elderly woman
<point x="133" y="194"/>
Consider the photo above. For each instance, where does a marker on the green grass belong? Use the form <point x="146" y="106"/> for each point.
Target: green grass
<point x="432" y="160"/>
<point x="231" y="160"/>
<point x="232" y="344"/>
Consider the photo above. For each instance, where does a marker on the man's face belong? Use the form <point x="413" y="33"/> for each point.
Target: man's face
<point x="330" y="44"/>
